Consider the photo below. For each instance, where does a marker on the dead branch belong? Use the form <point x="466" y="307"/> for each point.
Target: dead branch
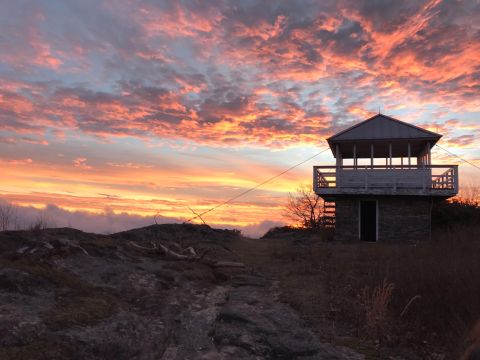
<point x="30" y="249"/>
<point x="188" y="254"/>
<point x="48" y="245"/>
<point x="185" y="254"/>
<point x="407" y="307"/>
<point x="191" y="251"/>
<point x="153" y="249"/>
<point x="23" y="249"/>
<point x="81" y="248"/>
<point x="176" y="255"/>
<point x="72" y="243"/>
<point x="159" y="248"/>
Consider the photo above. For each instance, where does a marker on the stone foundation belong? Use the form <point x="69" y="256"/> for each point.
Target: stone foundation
<point x="400" y="219"/>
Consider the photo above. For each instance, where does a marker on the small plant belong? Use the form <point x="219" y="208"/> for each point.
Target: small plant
<point x="38" y="226"/>
<point x="375" y="304"/>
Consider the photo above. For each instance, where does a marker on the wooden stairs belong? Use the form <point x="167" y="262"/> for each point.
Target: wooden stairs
<point x="328" y="218"/>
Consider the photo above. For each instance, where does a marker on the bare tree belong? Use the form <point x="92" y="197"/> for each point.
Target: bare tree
<point x="7" y="215"/>
<point x="305" y="208"/>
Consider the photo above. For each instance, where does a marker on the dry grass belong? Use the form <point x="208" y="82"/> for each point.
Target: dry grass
<point x="375" y="304"/>
<point x="76" y="302"/>
<point x="341" y="290"/>
<point x="74" y="308"/>
<point x="442" y="276"/>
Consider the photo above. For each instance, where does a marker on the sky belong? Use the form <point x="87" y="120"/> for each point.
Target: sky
<point x="113" y="111"/>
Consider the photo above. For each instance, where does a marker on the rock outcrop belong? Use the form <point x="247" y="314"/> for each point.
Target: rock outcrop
<point x="65" y="294"/>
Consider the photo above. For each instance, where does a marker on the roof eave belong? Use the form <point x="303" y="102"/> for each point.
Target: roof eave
<point x="332" y="144"/>
<point x="436" y="138"/>
<point x="433" y="134"/>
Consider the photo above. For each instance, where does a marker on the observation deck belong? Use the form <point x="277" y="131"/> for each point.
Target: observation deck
<point x="418" y="180"/>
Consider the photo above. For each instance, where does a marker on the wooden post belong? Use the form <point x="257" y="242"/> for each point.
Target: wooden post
<point x="426" y="156"/>
<point x="338" y="155"/>
<point x="429" y="154"/>
<point x="409" y="155"/>
<point x="355" y="156"/>
<point x="371" y="155"/>
<point x="390" y="153"/>
<point x="338" y="173"/>
<point x="455" y="177"/>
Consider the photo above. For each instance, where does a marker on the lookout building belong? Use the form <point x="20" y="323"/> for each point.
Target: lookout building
<point x="383" y="183"/>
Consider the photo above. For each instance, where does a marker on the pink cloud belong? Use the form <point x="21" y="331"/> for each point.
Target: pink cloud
<point x="15" y="162"/>
<point x="81" y="163"/>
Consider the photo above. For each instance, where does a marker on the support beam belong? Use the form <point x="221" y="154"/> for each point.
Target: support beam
<point x="409" y="155"/>
<point x="390" y="153"/>
<point x="429" y="153"/>
<point x="338" y="178"/>
<point x="338" y="155"/>
<point x="371" y="155"/>
<point x="355" y="156"/>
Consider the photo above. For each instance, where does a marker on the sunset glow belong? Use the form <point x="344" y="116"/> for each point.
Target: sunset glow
<point x="155" y="107"/>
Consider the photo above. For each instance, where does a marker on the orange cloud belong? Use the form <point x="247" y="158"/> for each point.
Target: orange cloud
<point x="155" y="106"/>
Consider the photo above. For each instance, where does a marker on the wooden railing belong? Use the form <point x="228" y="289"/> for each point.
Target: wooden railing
<point x="446" y="180"/>
<point x="422" y="177"/>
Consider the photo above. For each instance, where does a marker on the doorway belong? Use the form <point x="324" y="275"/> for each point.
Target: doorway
<point x="368" y="220"/>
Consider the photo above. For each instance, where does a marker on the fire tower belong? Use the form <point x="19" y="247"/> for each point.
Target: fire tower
<point x="383" y="183"/>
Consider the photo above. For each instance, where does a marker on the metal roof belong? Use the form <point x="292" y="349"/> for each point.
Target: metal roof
<point x="383" y="127"/>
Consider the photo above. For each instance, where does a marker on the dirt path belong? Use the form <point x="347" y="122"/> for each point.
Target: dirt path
<point x="246" y="320"/>
<point x="252" y="322"/>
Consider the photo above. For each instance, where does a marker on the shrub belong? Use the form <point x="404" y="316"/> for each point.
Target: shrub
<point x="451" y="214"/>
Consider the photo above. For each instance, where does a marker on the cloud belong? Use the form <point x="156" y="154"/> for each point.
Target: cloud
<point x="257" y="230"/>
<point x="129" y="165"/>
<point x="81" y="162"/>
<point x="103" y="222"/>
<point x="213" y="73"/>
<point x="123" y="90"/>
<point x="26" y="45"/>
<point x="14" y="162"/>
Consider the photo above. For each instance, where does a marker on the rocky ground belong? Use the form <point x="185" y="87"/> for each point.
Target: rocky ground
<point x="65" y="294"/>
